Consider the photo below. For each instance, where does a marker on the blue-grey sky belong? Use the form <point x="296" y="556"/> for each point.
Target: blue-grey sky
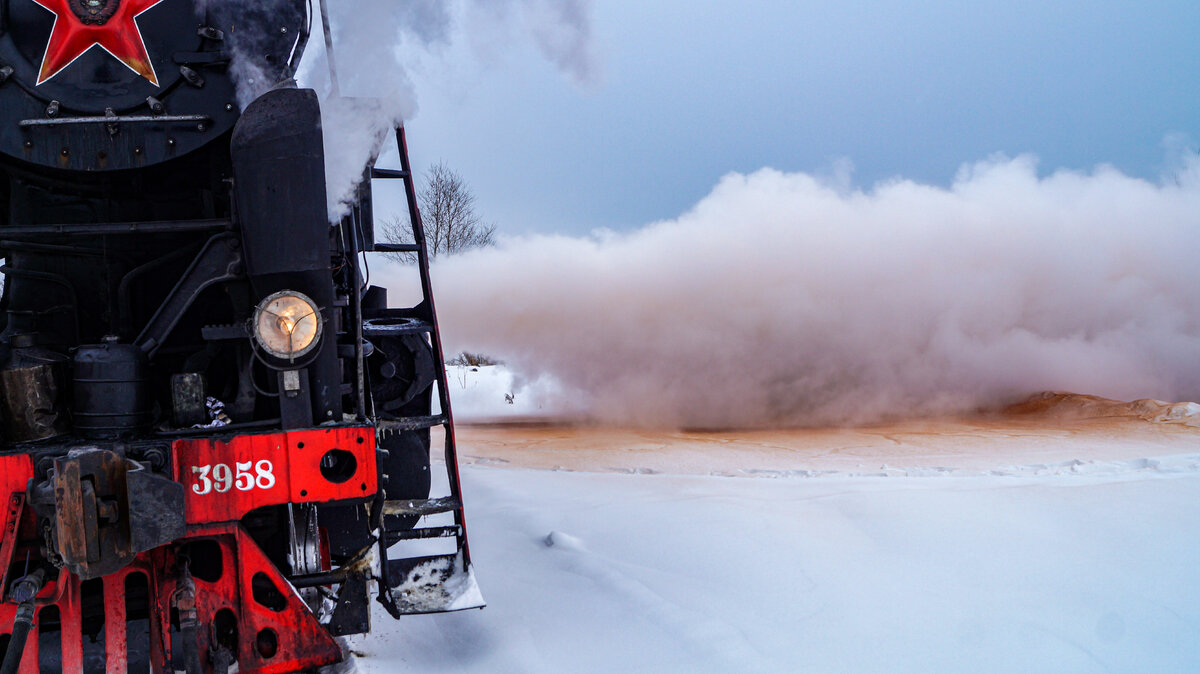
<point x="687" y="91"/>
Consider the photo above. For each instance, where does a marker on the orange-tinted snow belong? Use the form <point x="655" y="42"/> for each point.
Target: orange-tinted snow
<point x="1048" y="429"/>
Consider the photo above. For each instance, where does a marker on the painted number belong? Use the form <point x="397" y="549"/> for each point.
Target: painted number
<point x="265" y="479"/>
<point x="245" y="481"/>
<point x="203" y="484"/>
<point x="221" y="478"/>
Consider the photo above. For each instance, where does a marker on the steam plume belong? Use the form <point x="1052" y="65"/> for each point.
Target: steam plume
<point x="781" y="299"/>
<point x="373" y="41"/>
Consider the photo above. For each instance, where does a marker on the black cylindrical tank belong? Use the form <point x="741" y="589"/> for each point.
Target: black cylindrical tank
<point x="112" y="391"/>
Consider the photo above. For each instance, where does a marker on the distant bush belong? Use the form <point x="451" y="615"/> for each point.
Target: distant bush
<point x="467" y="358"/>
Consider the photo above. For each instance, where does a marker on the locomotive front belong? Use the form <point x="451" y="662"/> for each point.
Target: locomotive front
<point x="216" y="436"/>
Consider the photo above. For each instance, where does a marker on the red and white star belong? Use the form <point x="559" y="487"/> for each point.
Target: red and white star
<point x="119" y="36"/>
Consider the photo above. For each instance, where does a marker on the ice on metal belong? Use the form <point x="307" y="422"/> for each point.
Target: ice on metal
<point x="439" y="584"/>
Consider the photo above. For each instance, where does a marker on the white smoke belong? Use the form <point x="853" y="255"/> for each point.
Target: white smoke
<point x="374" y="40"/>
<point x="786" y="299"/>
<point x="561" y="30"/>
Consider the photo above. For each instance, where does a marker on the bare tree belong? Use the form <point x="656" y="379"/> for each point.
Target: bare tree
<point x="448" y="213"/>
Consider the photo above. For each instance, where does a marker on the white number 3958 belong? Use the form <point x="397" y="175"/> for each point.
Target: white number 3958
<point x="221" y="478"/>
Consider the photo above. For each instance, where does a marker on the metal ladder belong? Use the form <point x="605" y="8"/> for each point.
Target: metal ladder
<point x="428" y="572"/>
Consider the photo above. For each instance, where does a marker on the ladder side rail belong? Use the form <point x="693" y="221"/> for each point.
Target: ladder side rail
<point x="451" y="452"/>
<point x="359" y="351"/>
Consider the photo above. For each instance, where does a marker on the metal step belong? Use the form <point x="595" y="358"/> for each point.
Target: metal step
<point x="389" y="326"/>
<point x="410" y="423"/>
<point x="422" y="507"/>
<point x="391" y="174"/>
<point x="434" y="584"/>
<point x="450" y="531"/>
<point x="396" y="248"/>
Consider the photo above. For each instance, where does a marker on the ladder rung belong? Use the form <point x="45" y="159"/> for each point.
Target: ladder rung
<point x="396" y="248"/>
<point x="388" y="173"/>
<point x="411" y="423"/>
<point x="422" y="534"/>
<point x="431" y="506"/>
<point x="388" y="326"/>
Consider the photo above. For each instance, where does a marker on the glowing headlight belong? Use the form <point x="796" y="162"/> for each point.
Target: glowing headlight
<point x="287" y="324"/>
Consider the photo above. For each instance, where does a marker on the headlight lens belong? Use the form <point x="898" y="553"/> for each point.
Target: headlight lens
<point x="287" y="324"/>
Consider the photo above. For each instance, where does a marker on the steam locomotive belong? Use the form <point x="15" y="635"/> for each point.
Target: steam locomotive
<point x="215" y="433"/>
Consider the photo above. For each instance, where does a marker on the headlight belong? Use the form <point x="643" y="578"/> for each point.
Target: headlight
<point x="287" y="324"/>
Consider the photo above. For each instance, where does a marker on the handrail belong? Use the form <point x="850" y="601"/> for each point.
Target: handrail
<point x="116" y="119"/>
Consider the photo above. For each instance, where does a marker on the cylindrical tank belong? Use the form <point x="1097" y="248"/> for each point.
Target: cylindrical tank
<point x="112" y="391"/>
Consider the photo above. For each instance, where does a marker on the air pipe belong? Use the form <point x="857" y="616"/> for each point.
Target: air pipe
<point x="23" y="592"/>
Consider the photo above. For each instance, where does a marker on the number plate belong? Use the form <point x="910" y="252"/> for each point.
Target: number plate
<point x="227" y="478"/>
<point x="220" y="478"/>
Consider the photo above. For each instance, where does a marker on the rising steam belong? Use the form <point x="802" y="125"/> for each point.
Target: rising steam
<point x="374" y="40"/>
<point x="782" y="299"/>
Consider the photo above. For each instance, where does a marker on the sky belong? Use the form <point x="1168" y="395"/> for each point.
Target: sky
<point x="673" y="95"/>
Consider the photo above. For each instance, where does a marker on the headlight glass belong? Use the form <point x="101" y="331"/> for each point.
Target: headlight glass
<point x="287" y="324"/>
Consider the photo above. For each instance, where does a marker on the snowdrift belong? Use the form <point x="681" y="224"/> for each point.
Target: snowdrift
<point x="1036" y="571"/>
<point x="1059" y="405"/>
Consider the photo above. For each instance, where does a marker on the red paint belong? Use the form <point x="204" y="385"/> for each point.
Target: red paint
<point x="296" y="464"/>
<point x="115" y="644"/>
<point x="15" y="471"/>
<point x="119" y="36"/>
<point x="302" y="642"/>
<point x="66" y="597"/>
<point x="295" y="458"/>
<point x="14" y="513"/>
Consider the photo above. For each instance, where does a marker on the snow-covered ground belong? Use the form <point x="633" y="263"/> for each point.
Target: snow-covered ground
<point x="1051" y="545"/>
<point x="493" y="392"/>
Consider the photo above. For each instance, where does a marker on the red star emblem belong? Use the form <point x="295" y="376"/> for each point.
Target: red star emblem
<point x="113" y="28"/>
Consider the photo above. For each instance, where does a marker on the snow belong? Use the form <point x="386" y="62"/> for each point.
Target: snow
<point x="606" y="572"/>
<point x="439" y="584"/>
<point x="1034" y="545"/>
<point x="490" y="392"/>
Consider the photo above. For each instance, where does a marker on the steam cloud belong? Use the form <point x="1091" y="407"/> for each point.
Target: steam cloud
<point x="782" y="299"/>
<point x="373" y="40"/>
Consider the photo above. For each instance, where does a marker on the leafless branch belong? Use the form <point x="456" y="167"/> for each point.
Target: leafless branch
<point x="448" y="214"/>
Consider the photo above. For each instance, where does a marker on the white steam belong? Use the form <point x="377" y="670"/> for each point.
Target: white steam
<point x="373" y="42"/>
<point x="783" y="299"/>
